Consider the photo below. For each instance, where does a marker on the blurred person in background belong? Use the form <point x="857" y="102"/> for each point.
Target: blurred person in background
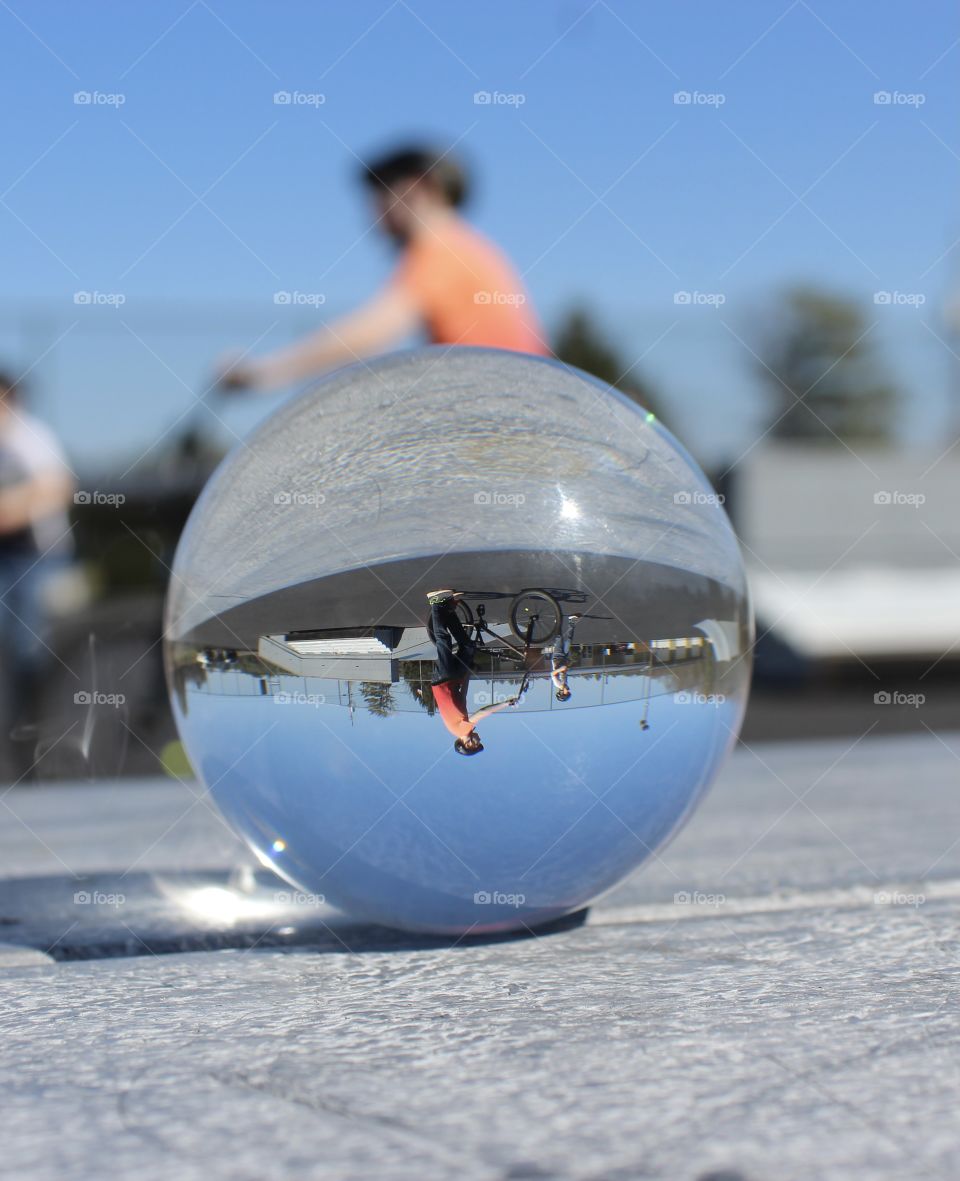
<point x="450" y="282"/>
<point x="36" y="487"/>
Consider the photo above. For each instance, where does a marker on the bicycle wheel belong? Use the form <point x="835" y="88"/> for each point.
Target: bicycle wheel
<point x="464" y="614"/>
<point x="535" y="617"/>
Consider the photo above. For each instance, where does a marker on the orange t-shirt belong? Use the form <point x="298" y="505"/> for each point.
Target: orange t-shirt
<point x="451" y="699"/>
<point x="467" y="291"/>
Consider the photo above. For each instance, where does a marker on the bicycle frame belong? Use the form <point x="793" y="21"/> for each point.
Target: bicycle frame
<point x="514" y="650"/>
<point x="481" y="628"/>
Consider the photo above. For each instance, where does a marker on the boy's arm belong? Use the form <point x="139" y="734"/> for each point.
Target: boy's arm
<point x="386" y="318"/>
<point x="486" y="710"/>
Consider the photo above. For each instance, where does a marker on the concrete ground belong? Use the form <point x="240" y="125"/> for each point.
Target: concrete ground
<point x="774" y="997"/>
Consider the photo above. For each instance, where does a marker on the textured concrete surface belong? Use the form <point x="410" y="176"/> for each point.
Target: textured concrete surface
<point x="774" y="997"/>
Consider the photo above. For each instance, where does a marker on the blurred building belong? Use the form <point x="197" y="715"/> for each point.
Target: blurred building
<point x="852" y="556"/>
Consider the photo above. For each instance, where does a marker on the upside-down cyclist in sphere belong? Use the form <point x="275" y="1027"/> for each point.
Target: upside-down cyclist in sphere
<point x="560" y="660"/>
<point x="452" y="671"/>
<point x="451" y="281"/>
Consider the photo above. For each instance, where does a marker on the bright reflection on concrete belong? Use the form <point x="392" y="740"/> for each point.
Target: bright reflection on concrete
<point x="222" y="905"/>
<point x="603" y="640"/>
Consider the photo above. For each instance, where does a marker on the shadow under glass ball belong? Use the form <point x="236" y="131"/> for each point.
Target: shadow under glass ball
<point x="458" y="639"/>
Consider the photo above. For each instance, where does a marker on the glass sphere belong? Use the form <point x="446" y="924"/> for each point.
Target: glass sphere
<point x="507" y="750"/>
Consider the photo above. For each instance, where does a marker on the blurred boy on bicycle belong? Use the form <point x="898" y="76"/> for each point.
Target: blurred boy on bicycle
<point x="450" y="281"/>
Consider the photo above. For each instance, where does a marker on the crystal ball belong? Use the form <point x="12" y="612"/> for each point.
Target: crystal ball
<point x="457" y="639"/>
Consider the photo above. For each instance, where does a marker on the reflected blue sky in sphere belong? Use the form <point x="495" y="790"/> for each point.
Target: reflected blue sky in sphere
<point x="557" y="808"/>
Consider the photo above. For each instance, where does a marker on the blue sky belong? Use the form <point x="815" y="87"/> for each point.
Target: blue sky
<point x="200" y="190"/>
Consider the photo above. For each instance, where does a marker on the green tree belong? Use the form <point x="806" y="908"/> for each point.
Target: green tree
<point x="378" y="698"/>
<point x="821" y="368"/>
<point x="581" y="342"/>
<point x="417" y="675"/>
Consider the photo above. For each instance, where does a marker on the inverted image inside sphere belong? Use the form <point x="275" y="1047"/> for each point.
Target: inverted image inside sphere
<point x="458" y="639"/>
